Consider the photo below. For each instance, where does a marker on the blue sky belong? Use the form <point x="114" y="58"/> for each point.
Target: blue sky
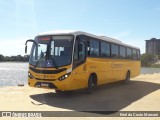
<point x="131" y="21"/>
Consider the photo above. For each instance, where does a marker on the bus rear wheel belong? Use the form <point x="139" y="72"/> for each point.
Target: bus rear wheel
<point x="127" y="76"/>
<point x="90" y="85"/>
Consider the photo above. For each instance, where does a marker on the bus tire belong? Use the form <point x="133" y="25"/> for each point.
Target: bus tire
<point x="90" y="85"/>
<point x="127" y="76"/>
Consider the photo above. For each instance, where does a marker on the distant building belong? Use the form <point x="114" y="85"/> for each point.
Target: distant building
<point x="153" y="46"/>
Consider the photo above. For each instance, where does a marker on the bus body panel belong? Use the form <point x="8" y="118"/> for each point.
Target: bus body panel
<point x="110" y="70"/>
<point x="107" y="70"/>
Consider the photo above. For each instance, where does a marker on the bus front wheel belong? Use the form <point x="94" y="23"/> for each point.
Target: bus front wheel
<point x="90" y="85"/>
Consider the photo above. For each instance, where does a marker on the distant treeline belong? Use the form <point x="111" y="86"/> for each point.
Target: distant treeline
<point x="17" y="58"/>
<point x="150" y="60"/>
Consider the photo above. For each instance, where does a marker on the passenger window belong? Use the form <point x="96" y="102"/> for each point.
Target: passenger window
<point x="129" y="53"/>
<point x="138" y="54"/>
<point x="114" y="51"/>
<point x="134" y="54"/>
<point x="122" y="52"/>
<point x="105" y="49"/>
<point x="94" y="48"/>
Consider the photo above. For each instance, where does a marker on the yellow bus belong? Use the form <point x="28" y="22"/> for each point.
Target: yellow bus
<point x="70" y="60"/>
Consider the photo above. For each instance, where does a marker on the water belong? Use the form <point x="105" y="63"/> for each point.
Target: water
<point x="150" y="70"/>
<point x="12" y="74"/>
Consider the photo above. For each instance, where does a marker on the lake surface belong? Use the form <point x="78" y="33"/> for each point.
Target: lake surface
<point x="12" y="74"/>
<point x="150" y="70"/>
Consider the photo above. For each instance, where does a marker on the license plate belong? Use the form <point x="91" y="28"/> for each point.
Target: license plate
<point x="44" y="84"/>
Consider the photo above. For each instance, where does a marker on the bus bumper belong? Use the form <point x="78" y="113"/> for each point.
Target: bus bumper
<point x="59" y="85"/>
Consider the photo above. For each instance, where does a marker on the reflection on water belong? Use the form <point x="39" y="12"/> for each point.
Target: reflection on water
<point x="12" y="74"/>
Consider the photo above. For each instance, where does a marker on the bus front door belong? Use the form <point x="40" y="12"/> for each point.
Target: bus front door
<point x="79" y="64"/>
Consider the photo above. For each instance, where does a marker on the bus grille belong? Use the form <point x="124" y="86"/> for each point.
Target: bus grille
<point x="45" y="84"/>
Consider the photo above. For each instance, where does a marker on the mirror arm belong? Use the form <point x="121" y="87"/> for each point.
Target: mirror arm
<point x="30" y="40"/>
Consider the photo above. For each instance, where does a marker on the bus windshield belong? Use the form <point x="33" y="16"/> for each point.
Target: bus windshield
<point x="52" y="51"/>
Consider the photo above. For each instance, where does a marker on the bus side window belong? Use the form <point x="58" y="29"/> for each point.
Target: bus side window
<point x="138" y="54"/>
<point x="129" y="53"/>
<point x="134" y="54"/>
<point x="88" y="48"/>
<point x="76" y="51"/>
<point x="94" y="48"/>
<point x="79" y="53"/>
<point x="114" y="51"/>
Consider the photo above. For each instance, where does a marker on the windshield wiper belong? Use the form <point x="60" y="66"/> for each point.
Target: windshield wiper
<point x="55" y="63"/>
<point x="37" y="63"/>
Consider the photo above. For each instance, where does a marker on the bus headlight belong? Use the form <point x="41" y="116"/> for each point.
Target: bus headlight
<point x="64" y="76"/>
<point x="30" y="75"/>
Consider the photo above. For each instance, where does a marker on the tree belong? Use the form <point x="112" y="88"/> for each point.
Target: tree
<point x="1" y="57"/>
<point x="158" y="57"/>
<point x="19" y="58"/>
<point x="148" y="59"/>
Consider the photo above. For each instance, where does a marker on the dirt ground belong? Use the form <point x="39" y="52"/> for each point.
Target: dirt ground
<point x="140" y="94"/>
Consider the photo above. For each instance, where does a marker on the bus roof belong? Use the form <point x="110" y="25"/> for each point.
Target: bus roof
<point x="75" y="33"/>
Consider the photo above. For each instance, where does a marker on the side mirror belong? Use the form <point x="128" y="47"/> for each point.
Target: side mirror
<point x="26" y="49"/>
<point x="30" y="40"/>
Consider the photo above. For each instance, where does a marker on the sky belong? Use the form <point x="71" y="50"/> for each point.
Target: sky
<point x="131" y="21"/>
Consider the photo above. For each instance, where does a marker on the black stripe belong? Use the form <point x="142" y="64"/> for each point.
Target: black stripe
<point x="48" y="71"/>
